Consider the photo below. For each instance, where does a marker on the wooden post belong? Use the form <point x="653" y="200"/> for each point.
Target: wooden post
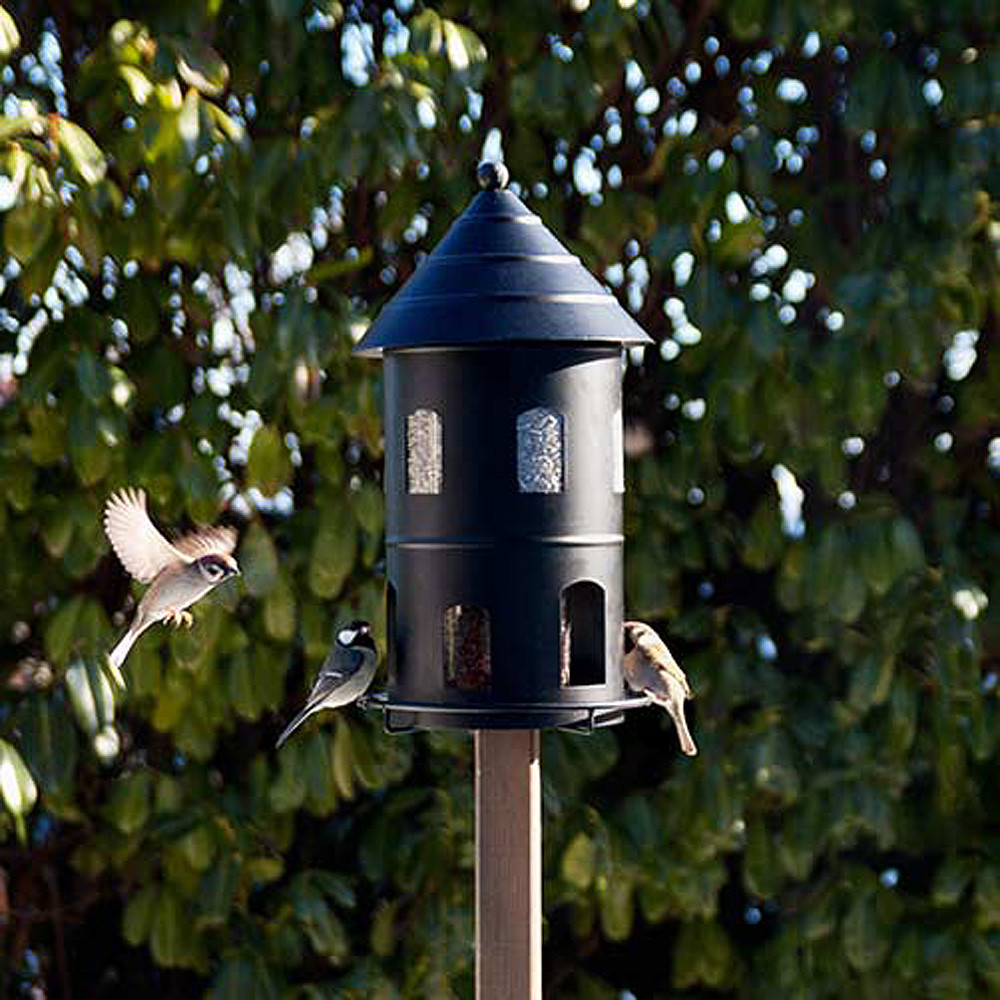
<point x="508" y="865"/>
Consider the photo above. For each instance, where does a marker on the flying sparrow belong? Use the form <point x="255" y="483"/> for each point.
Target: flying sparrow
<point x="344" y="676"/>
<point x="179" y="572"/>
<point x="649" y="668"/>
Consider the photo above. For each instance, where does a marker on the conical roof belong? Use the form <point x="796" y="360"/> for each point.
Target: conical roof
<point x="499" y="277"/>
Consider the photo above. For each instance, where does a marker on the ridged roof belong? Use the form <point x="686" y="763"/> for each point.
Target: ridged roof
<point x="499" y="276"/>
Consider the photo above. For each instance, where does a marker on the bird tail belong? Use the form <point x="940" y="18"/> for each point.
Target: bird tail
<point x="304" y="714"/>
<point x="676" y="712"/>
<point x="117" y="655"/>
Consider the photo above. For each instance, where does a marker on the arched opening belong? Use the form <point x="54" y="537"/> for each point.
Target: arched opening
<point x="581" y="634"/>
<point x="467" y="648"/>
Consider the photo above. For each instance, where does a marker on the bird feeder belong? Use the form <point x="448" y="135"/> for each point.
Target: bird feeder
<point x="504" y="479"/>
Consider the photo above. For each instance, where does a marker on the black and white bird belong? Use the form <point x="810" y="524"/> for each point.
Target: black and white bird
<point x="178" y="572"/>
<point x="344" y="676"/>
<point x="650" y="669"/>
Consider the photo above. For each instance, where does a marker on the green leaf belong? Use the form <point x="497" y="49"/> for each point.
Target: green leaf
<point x="324" y="930"/>
<point x="703" y="955"/>
<point x="90" y="454"/>
<point x="289" y="790"/>
<point x="269" y="466"/>
<point x="847" y="599"/>
<point x="10" y="37"/>
<point x="368" y="508"/>
<point x="258" y="560"/>
<point x="763" y="542"/>
<point x="762" y="871"/>
<point x="871" y="681"/>
<point x="189" y="124"/>
<point x="462" y="46"/>
<point x="84" y="155"/>
<point x="241" y="687"/>
<point x="342" y="759"/>
<point x="166" y="931"/>
<point x="333" y="552"/>
<point x="986" y="958"/>
<point x="129" y="806"/>
<point x="49" y="746"/>
<point x="907" y="549"/>
<point x="903" y="712"/>
<point x="137" y="920"/>
<point x="426" y="32"/>
<point x="875" y="557"/>
<point x="279" y="611"/>
<point x="200" y="66"/>
<point x="578" y="862"/>
<point x="57" y="531"/>
<point x="197" y="847"/>
<point x="61" y="631"/>
<point x="617" y="909"/>
<point x="987" y="898"/>
<point x="92" y="375"/>
<point x="244" y="977"/>
<point x="218" y="889"/>
<point x="866" y="939"/>
<point x="26" y="228"/>
<point x="383" y="932"/>
<point x="17" y="787"/>
<point x="951" y="880"/>
<point x="138" y="83"/>
<point x="85" y="698"/>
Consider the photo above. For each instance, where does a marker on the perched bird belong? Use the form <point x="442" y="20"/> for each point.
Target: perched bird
<point x="344" y="677"/>
<point x="179" y="572"/>
<point x="649" y="668"/>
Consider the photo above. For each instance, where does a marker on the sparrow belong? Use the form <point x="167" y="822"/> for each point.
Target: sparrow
<point x="344" y="676"/>
<point x="650" y="669"/>
<point x="178" y="572"/>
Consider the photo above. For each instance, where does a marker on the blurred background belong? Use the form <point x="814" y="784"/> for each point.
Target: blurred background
<point x="202" y="206"/>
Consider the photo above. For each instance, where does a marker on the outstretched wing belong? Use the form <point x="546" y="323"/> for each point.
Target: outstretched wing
<point x="144" y="552"/>
<point x="207" y="542"/>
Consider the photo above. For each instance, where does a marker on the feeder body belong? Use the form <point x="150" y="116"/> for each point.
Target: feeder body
<point x="504" y="585"/>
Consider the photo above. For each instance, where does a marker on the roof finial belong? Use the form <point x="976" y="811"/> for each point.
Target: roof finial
<point x="492" y="175"/>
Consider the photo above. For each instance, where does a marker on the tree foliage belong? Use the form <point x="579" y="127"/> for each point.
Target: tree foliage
<point x="202" y="204"/>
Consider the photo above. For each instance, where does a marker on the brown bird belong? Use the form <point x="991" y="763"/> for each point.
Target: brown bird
<point x="650" y="669"/>
<point x="178" y="572"/>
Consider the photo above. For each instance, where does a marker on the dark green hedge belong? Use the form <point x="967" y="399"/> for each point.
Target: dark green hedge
<point x="203" y="203"/>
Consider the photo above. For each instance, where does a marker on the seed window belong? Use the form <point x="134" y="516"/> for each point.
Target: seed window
<point x="540" y="451"/>
<point x="424" y="465"/>
<point x="467" y="647"/>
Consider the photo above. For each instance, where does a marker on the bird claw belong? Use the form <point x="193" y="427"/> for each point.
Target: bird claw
<point x="179" y="618"/>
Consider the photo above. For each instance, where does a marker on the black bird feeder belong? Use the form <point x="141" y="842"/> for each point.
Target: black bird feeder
<point x="504" y="480"/>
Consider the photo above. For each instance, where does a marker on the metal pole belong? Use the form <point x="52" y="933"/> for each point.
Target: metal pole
<point x="508" y="865"/>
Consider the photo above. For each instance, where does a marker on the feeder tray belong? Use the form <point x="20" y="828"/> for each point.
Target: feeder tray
<point x="408" y="716"/>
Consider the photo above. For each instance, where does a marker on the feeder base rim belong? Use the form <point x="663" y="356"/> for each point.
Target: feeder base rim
<point x="583" y="717"/>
